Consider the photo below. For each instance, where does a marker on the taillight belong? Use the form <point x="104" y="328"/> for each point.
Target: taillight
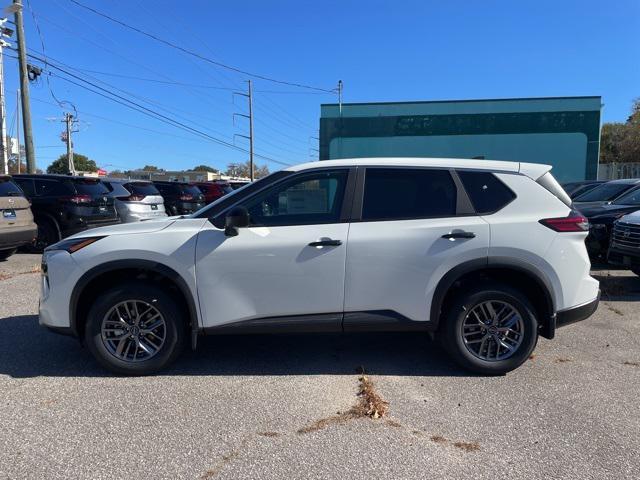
<point x="574" y="222"/>
<point x="77" y="199"/>
<point x="133" y="198"/>
<point x="186" y="198"/>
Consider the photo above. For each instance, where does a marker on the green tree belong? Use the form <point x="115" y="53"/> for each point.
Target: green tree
<point x="152" y="168"/>
<point x="204" y="168"/>
<point x="620" y="142"/>
<point x="81" y="162"/>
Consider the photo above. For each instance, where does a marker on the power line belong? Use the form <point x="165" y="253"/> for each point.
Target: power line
<point x="151" y="113"/>
<point x="197" y="55"/>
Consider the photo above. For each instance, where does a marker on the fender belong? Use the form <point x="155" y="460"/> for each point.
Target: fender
<point x="486" y="263"/>
<point x="139" y="264"/>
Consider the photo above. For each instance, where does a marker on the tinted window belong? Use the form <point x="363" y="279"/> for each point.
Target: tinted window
<point x="404" y="193"/>
<point x="90" y="187"/>
<point x="142" y="188"/>
<point x="26" y="184"/>
<point x="51" y="187"/>
<point x="117" y="189"/>
<point x="9" y="189"/>
<point x="167" y="188"/>
<point x="305" y="200"/>
<point x="629" y="198"/>
<point x="487" y="193"/>
<point x="604" y="192"/>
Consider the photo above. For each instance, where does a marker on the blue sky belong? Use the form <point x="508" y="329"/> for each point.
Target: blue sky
<point x="382" y="50"/>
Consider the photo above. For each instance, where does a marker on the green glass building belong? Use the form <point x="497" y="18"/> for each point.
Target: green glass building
<point x="560" y="131"/>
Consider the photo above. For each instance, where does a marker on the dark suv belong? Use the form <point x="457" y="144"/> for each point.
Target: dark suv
<point x="63" y="205"/>
<point x="180" y="198"/>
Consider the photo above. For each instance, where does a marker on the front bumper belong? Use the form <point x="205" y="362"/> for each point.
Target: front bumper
<point x="625" y="257"/>
<point x="577" y="314"/>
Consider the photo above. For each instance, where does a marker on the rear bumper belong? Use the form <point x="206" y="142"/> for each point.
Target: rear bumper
<point x="14" y="237"/>
<point x="577" y="314"/>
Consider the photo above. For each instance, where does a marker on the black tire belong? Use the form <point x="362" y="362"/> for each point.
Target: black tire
<point x="163" y="301"/>
<point x="48" y="234"/>
<point x="451" y="331"/>
<point x="4" y="254"/>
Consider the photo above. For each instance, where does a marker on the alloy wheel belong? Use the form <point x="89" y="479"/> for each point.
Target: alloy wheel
<point x="133" y="331"/>
<point x="493" y="330"/>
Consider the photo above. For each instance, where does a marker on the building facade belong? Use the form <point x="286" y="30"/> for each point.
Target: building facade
<point x="560" y="131"/>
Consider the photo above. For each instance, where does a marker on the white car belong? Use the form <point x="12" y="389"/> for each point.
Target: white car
<point x="135" y="200"/>
<point x="486" y="254"/>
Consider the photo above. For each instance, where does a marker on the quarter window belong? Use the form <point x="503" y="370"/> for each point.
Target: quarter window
<point x="310" y="199"/>
<point x="406" y="193"/>
<point x="487" y="193"/>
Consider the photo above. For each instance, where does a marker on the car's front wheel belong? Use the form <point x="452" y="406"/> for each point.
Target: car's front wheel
<point x="135" y="329"/>
<point x="490" y="329"/>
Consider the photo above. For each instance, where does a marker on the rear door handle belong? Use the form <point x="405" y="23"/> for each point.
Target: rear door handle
<point x="453" y="235"/>
<point x="326" y="243"/>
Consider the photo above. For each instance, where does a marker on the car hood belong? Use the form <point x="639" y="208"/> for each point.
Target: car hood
<point x="607" y="210"/>
<point x="128" y="228"/>
<point x="633" y="217"/>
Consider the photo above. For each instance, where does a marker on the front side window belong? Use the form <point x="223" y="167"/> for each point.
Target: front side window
<point x="406" y="193"/>
<point x="308" y="199"/>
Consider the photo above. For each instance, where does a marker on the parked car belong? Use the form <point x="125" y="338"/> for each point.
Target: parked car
<point x="486" y="255"/>
<point x="601" y="219"/>
<point x="63" y="205"/>
<point x="17" y="227"/>
<point x="625" y="242"/>
<point x="607" y="192"/>
<point x="135" y="200"/>
<point x="213" y="190"/>
<point x="575" y="189"/>
<point x="180" y="198"/>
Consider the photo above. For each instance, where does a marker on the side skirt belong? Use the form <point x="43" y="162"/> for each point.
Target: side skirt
<point x="373" y="321"/>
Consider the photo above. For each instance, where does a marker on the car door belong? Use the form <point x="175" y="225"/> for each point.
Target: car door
<point x="410" y="227"/>
<point x="288" y="265"/>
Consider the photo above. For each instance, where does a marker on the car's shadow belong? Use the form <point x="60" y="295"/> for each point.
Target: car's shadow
<point x="28" y="350"/>
<point x="617" y="287"/>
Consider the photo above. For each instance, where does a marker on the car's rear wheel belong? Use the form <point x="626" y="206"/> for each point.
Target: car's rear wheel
<point x="490" y="329"/>
<point x="135" y="329"/>
<point x="47" y="234"/>
<point x="4" y="254"/>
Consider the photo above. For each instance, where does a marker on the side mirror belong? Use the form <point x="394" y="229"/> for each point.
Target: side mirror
<point x="238" y="217"/>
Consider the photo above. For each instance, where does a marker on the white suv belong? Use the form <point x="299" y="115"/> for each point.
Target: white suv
<point x="486" y="254"/>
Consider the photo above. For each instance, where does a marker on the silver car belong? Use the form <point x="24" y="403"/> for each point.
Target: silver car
<point x="135" y="200"/>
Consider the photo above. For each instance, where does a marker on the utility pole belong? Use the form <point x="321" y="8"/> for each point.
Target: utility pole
<point x="68" y="120"/>
<point x="18" y="156"/>
<point x="4" y="32"/>
<point x="340" y="96"/>
<point x="24" y="87"/>
<point x="249" y="96"/>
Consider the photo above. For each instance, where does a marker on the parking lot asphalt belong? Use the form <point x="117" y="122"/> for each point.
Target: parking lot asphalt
<point x="273" y="407"/>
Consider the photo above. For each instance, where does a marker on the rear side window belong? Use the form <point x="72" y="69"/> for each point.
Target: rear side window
<point x="142" y="188"/>
<point x="27" y="186"/>
<point x="487" y="193"/>
<point x="90" y="187"/>
<point x="405" y="193"/>
<point x="46" y="188"/>
<point x="9" y="189"/>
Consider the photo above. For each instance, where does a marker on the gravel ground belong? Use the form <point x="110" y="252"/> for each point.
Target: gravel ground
<point x="234" y="408"/>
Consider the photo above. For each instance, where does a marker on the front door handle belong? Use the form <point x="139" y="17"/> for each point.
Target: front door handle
<point x="459" y="234"/>
<point x="326" y="243"/>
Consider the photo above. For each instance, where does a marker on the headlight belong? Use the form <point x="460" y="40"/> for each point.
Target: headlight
<point x="72" y="245"/>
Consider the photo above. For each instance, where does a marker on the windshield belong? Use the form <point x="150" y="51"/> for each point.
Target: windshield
<point x="629" y="198"/>
<point x="603" y="193"/>
<point x="9" y="189"/>
<point x="90" y="187"/>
